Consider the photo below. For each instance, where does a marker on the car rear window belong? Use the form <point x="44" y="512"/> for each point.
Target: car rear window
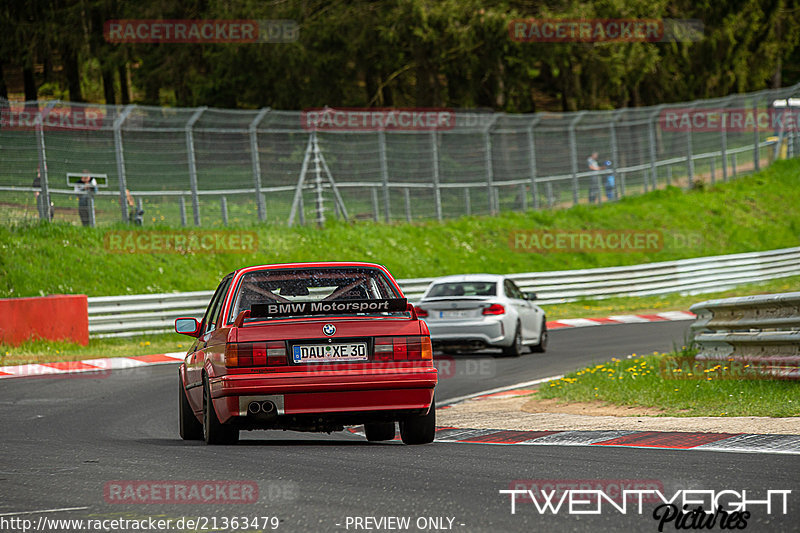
<point x="310" y="285"/>
<point x="463" y="288"/>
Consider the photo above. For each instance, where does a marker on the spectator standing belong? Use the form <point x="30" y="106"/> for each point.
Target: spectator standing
<point x="594" y="185"/>
<point x="85" y="190"/>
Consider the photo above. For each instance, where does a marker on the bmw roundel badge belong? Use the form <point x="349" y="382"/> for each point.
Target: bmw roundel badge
<point x="329" y="329"/>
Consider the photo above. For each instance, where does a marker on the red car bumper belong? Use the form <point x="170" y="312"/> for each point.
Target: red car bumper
<point x="296" y="393"/>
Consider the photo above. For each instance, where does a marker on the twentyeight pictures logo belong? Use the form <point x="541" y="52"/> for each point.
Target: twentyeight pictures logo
<point x="200" y="31"/>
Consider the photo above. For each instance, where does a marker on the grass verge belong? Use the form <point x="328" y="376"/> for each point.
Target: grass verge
<point x="665" y="382"/>
<point x="751" y="213"/>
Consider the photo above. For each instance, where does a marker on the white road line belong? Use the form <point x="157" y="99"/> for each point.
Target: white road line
<point x="459" y="399"/>
<point x="63" y="509"/>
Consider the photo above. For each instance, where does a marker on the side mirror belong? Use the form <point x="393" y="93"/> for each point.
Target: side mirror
<point x="530" y="296"/>
<point x="187" y="326"/>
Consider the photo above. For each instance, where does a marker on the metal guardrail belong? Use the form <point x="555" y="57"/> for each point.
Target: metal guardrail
<point x="117" y="316"/>
<point x="763" y="331"/>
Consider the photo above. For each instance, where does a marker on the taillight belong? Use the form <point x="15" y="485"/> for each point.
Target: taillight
<point x="494" y="309"/>
<point x="414" y="348"/>
<point x="421" y="312"/>
<point x="245" y="354"/>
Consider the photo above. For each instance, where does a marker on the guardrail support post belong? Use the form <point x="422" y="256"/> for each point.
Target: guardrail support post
<point x="256" y="162"/>
<point x="224" y="208"/>
<point x="190" y="156"/>
<point x="121" y="177"/>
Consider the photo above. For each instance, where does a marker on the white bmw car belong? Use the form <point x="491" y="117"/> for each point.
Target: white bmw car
<point x="473" y="312"/>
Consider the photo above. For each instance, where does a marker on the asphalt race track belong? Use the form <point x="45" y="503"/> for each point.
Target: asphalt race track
<point x="66" y="439"/>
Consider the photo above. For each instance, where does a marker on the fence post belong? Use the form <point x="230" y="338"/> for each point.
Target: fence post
<point x="193" y="163"/>
<point x="723" y="138"/>
<point x="224" y="206"/>
<point x="734" y="164"/>
<point x="615" y="151"/>
<point x="183" y="211"/>
<point x="713" y="172"/>
<point x="384" y="174"/>
<point x="407" y="197"/>
<point x="91" y="210"/>
<point x="690" y="150"/>
<point x="652" y="135"/>
<point x="532" y="161"/>
<point x="375" y="208"/>
<point x="573" y="155"/>
<point x="123" y="182"/>
<point x="44" y="204"/>
<point x="756" y="149"/>
<point x="437" y="193"/>
<point x="489" y="165"/>
<point x="256" y="162"/>
<point x="467" y="201"/>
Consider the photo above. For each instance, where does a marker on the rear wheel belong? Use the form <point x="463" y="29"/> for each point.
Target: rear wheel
<point x="215" y="432"/>
<point x="419" y="429"/>
<point x="190" y="426"/>
<point x="515" y="350"/>
<point x="542" y="346"/>
<point x="377" y="431"/>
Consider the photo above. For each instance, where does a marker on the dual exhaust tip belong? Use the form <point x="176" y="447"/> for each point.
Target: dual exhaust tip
<point x="266" y="407"/>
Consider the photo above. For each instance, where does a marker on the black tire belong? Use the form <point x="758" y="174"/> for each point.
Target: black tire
<point x="419" y="429"/>
<point x="215" y="432"/>
<point x="515" y="350"/>
<point x="542" y="346"/>
<point x="378" y="431"/>
<point x="190" y="426"/>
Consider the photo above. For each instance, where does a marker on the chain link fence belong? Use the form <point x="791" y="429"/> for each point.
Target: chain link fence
<point x="215" y="167"/>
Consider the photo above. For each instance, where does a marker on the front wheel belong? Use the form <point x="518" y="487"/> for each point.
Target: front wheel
<point x="419" y="429"/>
<point x="378" y="431"/>
<point x="190" y="426"/>
<point x="215" y="432"/>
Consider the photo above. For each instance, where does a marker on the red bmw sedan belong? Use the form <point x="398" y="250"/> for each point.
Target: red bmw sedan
<point x="308" y="347"/>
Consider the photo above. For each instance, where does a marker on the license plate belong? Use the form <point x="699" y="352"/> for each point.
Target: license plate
<point x="329" y="353"/>
<point x="454" y="314"/>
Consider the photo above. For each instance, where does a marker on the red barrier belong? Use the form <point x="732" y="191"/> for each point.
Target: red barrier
<point x="55" y="317"/>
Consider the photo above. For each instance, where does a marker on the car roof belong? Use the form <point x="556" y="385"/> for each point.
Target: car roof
<point x="311" y="264"/>
<point x="469" y="277"/>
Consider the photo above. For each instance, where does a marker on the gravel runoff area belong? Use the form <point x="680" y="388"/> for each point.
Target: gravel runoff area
<point x="528" y="414"/>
